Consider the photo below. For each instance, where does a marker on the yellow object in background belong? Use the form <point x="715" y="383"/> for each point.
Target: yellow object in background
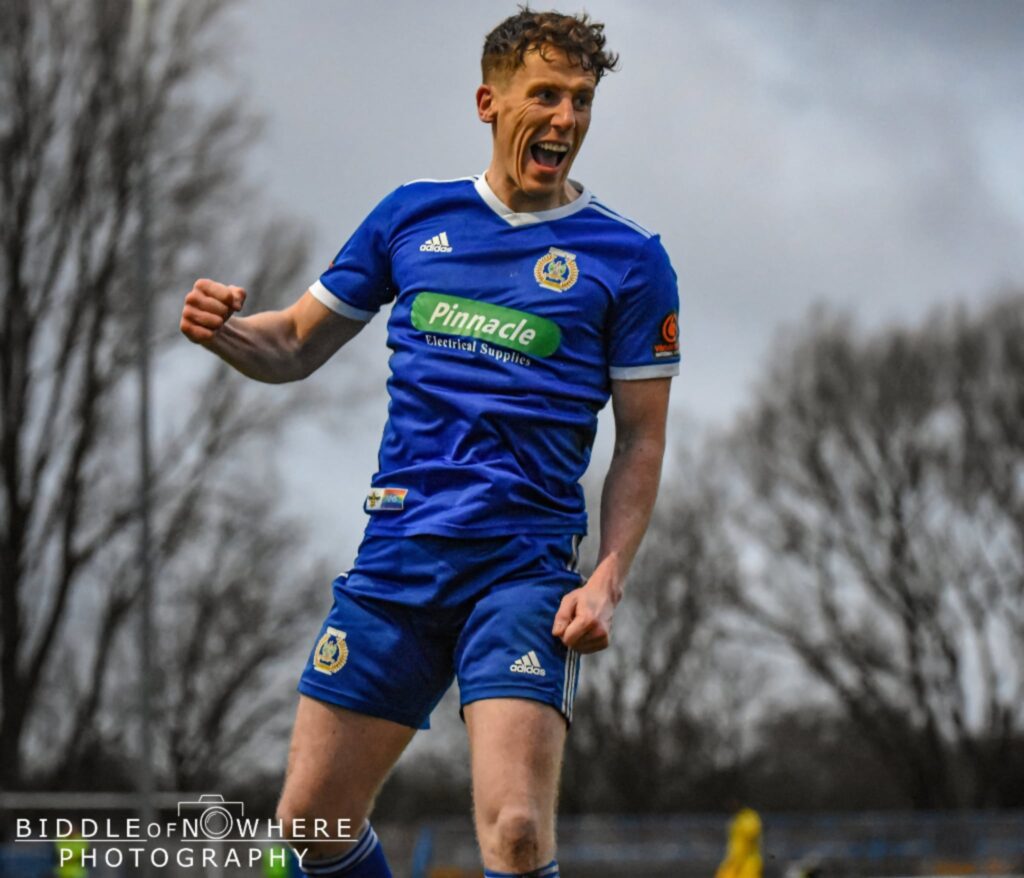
<point x="276" y="860"/>
<point x="743" y="856"/>
<point x="70" y="850"/>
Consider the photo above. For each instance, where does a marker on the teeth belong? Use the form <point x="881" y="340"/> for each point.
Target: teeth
<point x="553" y="147"/>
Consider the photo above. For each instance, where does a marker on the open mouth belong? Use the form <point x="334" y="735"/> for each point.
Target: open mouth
<point x="549" y="154"/>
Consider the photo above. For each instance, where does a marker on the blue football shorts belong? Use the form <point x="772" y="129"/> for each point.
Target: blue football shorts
<point x="414" y="613"/>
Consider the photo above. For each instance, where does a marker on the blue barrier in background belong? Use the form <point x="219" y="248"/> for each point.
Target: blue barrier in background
<point x="25" y="863"/>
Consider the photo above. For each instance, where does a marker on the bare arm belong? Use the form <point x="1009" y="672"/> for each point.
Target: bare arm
<point x="272" y="346"/>
<point x="584" y="619"/>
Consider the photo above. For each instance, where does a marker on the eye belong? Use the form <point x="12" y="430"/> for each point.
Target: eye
<point x="547" y="96"/>
<point x="583" y="102"/>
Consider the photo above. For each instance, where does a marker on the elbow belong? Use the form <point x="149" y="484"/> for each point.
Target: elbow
<point x="304" y="363"/>
<point x="280" y="370"/>
<point x="294" y="371"/>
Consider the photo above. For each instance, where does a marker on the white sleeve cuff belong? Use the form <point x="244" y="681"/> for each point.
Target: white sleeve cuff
<point x="326" y="297"/>
<point x="637" y="373"/>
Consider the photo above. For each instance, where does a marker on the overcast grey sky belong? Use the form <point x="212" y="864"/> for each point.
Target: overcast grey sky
<point x="865" y="154"/>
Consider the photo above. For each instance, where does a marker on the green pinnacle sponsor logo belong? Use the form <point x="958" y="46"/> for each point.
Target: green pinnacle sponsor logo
<point x="454" y="315"/>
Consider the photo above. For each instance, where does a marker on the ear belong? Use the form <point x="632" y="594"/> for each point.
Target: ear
<point x="485" y="104"/>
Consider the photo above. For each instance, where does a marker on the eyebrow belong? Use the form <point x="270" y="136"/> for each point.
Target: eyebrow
<point x="583" y="89"/>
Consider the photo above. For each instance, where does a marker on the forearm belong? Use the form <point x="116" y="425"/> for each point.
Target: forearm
<point x="584" y="617"/>
<point x="263" y="346"/>
<point x="627" y="501"/>
<point x="273" y="346"/>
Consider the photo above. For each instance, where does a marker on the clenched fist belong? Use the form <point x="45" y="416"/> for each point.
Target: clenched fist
<point x="584" y="618"/>
<point x="208" y="307"/>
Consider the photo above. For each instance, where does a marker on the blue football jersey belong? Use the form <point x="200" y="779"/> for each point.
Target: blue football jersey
<point x="506" y="331"/>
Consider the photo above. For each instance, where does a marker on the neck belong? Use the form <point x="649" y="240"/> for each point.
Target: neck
<point x="503" y="185"/>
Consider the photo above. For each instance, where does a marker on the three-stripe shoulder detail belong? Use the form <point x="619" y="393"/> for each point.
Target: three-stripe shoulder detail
<point x="604" y="210"/>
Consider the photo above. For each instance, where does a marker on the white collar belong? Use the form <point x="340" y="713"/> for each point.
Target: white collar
<point x="539" y="216"/>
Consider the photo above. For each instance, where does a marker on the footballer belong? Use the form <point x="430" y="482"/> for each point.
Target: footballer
<point x="519" y="304"/>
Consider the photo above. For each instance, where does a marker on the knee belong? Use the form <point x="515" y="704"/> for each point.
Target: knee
<point x="516" y="837"/>
<point x="293" y="816"/>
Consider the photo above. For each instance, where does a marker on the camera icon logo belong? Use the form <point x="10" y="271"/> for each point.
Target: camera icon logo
<point x="214" y="816"/>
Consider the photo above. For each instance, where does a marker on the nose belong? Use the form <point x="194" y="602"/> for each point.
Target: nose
<point x="565" y="115"/>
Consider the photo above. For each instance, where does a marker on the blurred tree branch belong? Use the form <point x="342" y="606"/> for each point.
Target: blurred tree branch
<point x="881" y="511"/>
<point x="73" y="131"/>
<point x="639" y="742"/>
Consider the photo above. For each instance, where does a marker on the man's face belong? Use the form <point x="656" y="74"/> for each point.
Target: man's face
<point x="540" y="114"/>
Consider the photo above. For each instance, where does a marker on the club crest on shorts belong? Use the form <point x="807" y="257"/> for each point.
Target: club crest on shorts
<point x="331" y="652"/>
<point x="556" y="270"/>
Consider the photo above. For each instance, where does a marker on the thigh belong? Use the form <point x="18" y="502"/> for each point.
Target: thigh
<point x="336" y="764"/>
<point x="516" y="751"/>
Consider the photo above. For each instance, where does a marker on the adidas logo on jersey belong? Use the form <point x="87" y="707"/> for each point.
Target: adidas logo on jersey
<point x="528" y="664"/>
<point x="437" y="244"/>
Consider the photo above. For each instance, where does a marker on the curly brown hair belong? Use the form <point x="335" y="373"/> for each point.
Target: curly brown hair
<point x="578" y="36"/>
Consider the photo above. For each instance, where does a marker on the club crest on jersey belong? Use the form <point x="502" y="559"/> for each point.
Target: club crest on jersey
<point x="556" y="270"/>
<point x="331" y="652"/>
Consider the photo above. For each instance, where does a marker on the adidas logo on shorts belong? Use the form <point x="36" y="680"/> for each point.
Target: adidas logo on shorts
<point x="528" y="664"/>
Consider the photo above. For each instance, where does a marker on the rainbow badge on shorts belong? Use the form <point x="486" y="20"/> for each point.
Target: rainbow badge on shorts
<point x="386" y="499"/>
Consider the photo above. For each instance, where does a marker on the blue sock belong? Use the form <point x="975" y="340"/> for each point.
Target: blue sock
<point x="548" y="871"/>
<point x="365" y="860"/>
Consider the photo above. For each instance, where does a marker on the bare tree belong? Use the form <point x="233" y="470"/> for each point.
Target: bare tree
<point x="77" y="118"/>
<point x="881" y="512"/>
<point x="645" y="736"/>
